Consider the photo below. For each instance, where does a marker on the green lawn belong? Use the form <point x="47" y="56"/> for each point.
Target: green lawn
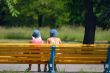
<point x="66" y="33"/>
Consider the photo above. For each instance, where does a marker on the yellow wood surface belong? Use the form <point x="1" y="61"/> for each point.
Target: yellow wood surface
<point x="27" y="53"/>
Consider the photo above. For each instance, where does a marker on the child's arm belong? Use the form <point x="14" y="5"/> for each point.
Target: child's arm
<point x="59" y="41"/>
<point x="47" y="41"/>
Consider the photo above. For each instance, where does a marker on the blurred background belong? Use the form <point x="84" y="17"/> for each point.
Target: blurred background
<point x="72" y="18"/>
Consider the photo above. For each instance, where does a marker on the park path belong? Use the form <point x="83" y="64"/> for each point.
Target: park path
<point x="65" y="67"/>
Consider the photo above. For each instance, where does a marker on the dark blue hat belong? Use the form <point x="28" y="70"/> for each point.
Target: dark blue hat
<point x="53" y="33"/>
<point x="36" y="33"/>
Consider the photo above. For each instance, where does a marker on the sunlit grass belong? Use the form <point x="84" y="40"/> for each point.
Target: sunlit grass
<point x="102" y="35"/>
<point x="66" y="33"/>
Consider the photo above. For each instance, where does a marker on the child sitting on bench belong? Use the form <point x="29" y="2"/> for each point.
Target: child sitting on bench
<point x="36" y="39"/>
<point x="53" y="40"/>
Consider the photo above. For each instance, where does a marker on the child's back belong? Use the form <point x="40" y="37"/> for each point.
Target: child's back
<point x="37" y="41"/>
<point x="53" y="40"/>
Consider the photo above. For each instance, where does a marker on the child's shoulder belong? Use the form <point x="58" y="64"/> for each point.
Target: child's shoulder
<point x="53" y="38"/>
<point x="37" y="41"/>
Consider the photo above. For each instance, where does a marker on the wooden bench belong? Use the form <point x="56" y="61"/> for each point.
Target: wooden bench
<point x="26" y="53"/>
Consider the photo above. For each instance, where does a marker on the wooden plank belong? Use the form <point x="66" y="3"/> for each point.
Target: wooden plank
<point x="25" y="55"/>
<point x="61" y="45"/>
<point x="84" y="45"/>
<point x="81" y="48"/>
<point x="79" y="62"/>
<point x="31" y="47"/>
<point x="96" y="51"/>
<point x="83" y="53"/>
<point x="105" y="50"/>
<point x="84" y="48"/>
<point x="81" y="58"/>
<point x="57" y="62"/>
<point x="78" y="55"/>
<point x="22" y="47"/>
<point x="61" y="62"/>
<point x="24" y="50"/>
<point x="57" y="51"/>
<point x="23" y="62"/>
<point x="19" y="58"/>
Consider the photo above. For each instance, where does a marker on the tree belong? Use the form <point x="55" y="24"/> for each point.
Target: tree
<point x="12" y="7"/>
<point x="101" y="9"/>
<point x="103" y="14"/>
<point x="7" y="6"/>
<point x="90" y="23"/>
<point x="101" y="17"/>
<point x="42" y="10"/>
<point x="2" y="12"/>
<point x="76" y="9"/>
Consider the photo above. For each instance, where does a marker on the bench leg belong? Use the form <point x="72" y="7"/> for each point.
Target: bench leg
<point x="29" y="67"/>
<point x="55" y="67"/>
<point x="51" y="62"/>
<point x="107" y="65"/>
<point x="51" y="68"/>
<point x="39" y="69"/>
<point x="105" y="68"/>
<point x="45" y="68"/>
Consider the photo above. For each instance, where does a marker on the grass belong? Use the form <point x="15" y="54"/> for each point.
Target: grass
<point x="66" y="33"/>
<point x="102" y="35"/>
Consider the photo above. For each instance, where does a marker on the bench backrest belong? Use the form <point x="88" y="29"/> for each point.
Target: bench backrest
<point x="26" y="53"/>
<point x="81" y="54"/>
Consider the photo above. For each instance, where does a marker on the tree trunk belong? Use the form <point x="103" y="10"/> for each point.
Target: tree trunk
<point x="40" y="20"/>
<point x="90" y="23"/>
<point x="2" y="16"/>
<point x="2" y="13"/>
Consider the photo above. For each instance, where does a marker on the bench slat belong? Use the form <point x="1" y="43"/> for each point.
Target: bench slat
<point x="23" y="62"/>
<point x="79" y="58"/>
<point x="78" y="55"/>
<point x="25" y="55"/>
<point x="79" y="62"/>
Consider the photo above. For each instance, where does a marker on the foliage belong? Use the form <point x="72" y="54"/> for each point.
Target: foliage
<point x="101" y="10"/>
<point x="53" y="12"/>
<point x="49" y="9"/>
<point x="11" y="5"/>
<point x="76" y="8"/>
<point x="103" y="14"/>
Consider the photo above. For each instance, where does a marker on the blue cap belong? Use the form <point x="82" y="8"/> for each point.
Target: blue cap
<point x="53" y="33"/>
<point x="36" y="33"/>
